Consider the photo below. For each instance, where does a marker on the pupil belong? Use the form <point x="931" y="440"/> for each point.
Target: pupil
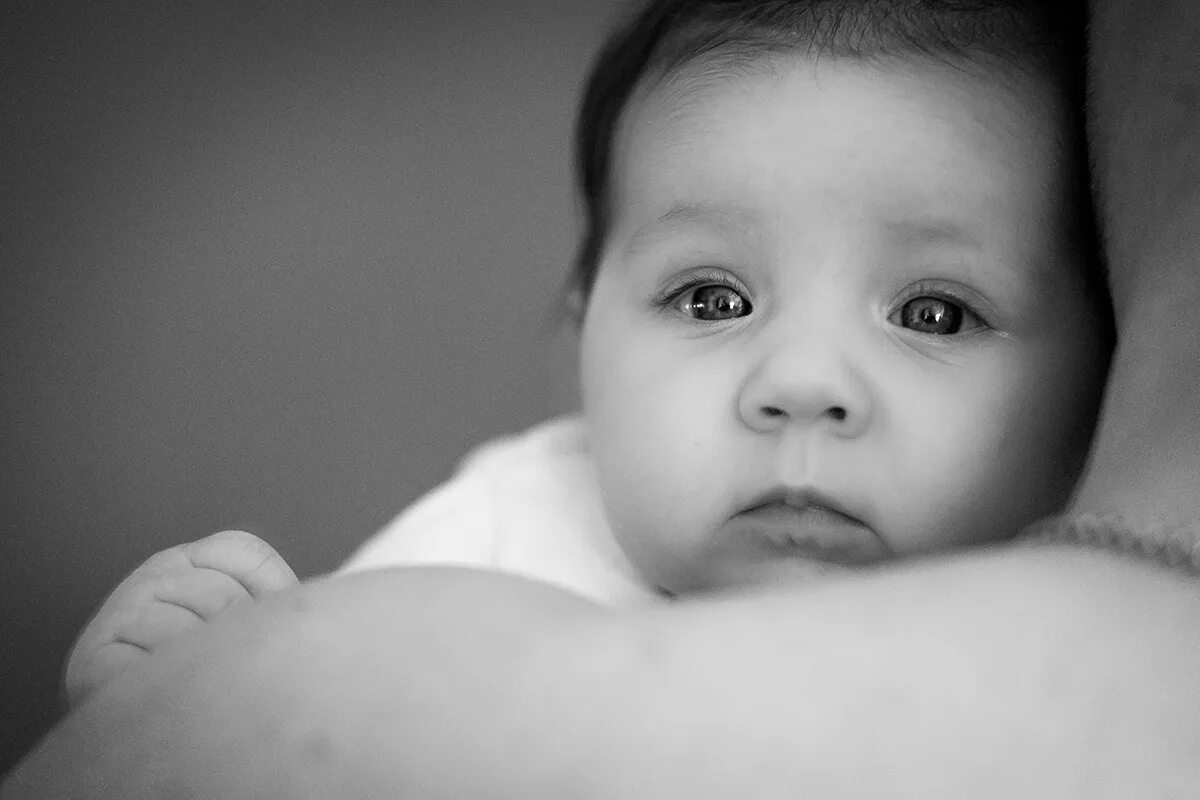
<point x="716" y="301"/>
<point x="931" y="315"/>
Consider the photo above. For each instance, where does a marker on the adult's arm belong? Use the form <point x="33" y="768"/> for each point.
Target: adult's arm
<point x="1144" y="124"/>
<point x="1004" y="680"/>
<point x="1056" y="672"/>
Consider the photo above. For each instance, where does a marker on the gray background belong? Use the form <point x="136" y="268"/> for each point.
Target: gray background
<point x="264" y="265"/>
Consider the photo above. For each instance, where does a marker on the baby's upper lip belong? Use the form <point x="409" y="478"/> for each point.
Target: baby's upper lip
<point x="801" y="497"/>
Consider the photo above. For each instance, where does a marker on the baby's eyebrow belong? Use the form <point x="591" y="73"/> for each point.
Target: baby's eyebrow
<point x="928" y="231"/>
<point x="708" y="212"/>
<point x="730" y="219"/>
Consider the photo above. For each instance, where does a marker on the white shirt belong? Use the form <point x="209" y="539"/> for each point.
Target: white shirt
<point x="526" y="504"/>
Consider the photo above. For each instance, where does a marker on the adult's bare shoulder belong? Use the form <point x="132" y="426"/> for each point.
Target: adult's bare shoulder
<point x="290" y="696"/>
<point x="1014" y="673"/>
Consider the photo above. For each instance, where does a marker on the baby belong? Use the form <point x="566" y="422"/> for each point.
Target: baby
<point x="840" y="306"/>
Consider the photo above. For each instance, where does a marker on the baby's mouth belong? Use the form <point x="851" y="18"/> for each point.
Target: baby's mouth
<point x="810" y="529"/>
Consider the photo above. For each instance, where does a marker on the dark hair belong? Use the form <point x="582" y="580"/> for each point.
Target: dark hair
<point x="1045" y="36"/>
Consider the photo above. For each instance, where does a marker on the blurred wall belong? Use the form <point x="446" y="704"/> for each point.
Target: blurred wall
<point x="265" y="265"/>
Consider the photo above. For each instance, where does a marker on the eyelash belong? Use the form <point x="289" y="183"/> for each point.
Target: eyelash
<point x="671" y="294"/>
<point x="939" y="291"/>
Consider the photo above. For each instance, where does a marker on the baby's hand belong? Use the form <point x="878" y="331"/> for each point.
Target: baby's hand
<point x="172" y="592"/>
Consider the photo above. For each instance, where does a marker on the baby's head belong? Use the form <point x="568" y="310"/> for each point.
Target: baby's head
<point x="842" y="299"/>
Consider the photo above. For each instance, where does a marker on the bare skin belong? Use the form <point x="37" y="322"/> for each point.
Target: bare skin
<point x="1016" y="688"/>
<point x="1021" y="672"/>
<point x="174" y="591"/>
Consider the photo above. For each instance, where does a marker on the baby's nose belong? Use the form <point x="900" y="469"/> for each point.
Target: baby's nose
<point x="805" y="385"/>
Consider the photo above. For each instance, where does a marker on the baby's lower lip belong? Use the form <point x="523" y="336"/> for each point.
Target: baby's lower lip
<point x="814" y="532"/>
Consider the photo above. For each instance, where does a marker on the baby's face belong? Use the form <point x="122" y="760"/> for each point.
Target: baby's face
<point x="838" y="320"/>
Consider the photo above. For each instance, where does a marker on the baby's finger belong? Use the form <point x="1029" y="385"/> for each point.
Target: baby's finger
<point x="118" y="636"/>
<point x="204" y="592"/>
<point x="93" y="669"/>
<point x="88" y="671"/>
<point x="244" y="557"/>
<point x="151" y="625"/>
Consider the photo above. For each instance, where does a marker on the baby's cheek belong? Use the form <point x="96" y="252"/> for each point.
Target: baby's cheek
<point x="928" y="510"/>
<point x="659" y="524"/>
<point x="643" y="543"/>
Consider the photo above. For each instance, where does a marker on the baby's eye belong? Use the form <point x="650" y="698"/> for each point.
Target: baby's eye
<point x="937" y="316"/>
<point x="712" y="302"/>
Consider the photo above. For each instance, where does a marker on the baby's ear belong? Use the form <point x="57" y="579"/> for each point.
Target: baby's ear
<point x="575" y="303"/>
<point x="566" y="310"/>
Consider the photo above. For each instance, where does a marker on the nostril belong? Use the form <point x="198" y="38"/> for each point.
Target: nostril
<point x="838" y="413"/>
<point x="773" y="411"/>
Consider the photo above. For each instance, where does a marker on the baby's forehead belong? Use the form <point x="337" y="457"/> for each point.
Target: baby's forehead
<point x="789" y="95"/>
<point x="795" y="151"/>
<point x="684" y="88"/>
